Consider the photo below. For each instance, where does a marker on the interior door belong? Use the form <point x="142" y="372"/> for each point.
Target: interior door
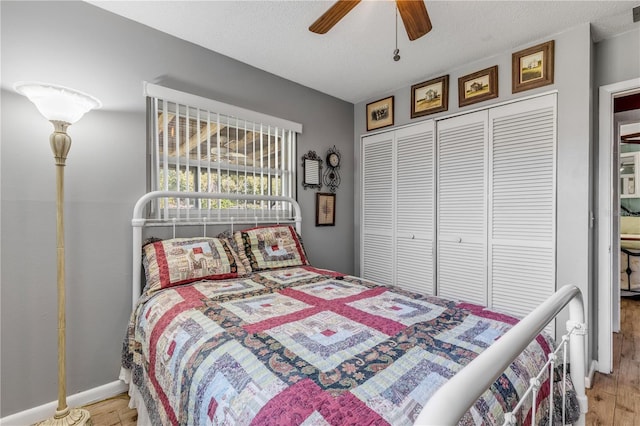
<point x="462" y="207"/>
<point x="522" y="204"/>
<point x="414" y="207"/>
<point x="377" y="219"/>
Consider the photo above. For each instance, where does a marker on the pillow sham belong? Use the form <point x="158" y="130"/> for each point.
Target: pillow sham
<point x="238" y="251"/>
<point x="270" y="247"/>
<point x="178" y="261"/>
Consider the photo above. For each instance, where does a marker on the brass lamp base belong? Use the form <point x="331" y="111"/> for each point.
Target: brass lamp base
<point x="69" y="417"/>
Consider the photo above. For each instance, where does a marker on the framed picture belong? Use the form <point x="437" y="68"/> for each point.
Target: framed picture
<point x="478" y="87"/>
<point x="325" y="209"/>
<point x="380" y="113"/>
<point x="430" y="96"/>
<point x="532" y="67"/>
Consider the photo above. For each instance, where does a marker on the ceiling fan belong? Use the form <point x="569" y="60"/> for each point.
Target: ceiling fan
<point x="413" y="12"/>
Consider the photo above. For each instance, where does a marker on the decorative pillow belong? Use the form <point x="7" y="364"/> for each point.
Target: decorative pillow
<point x="179" y="261"/>
<point x="241" y="257"/>
<point x="270" y="247"/>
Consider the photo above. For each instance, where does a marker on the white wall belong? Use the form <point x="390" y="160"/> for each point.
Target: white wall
<point x="81" y="46"/>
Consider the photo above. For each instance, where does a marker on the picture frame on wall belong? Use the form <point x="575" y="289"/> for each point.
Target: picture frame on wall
<point x="478" y="86"/>
<point x="532" y="67"/>
<point x="380" y="113"/>
<point x="325" y="209"/>
<point x="430" y="96"/>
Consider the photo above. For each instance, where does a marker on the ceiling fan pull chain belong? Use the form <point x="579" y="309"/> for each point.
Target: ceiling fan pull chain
<point x="396" y="53"/>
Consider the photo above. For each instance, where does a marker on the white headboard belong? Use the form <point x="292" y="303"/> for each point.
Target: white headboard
<point x="203" y="217"/>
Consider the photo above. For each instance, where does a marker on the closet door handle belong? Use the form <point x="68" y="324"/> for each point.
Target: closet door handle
<point x="459" y="239"/>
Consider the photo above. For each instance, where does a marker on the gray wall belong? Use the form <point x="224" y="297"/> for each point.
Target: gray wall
<point x="573" y="83"/>
<point x="81" y="46"/>
<point x="617" y="59"/>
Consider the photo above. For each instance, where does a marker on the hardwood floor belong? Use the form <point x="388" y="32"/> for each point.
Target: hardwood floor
<point x="614" y="399"/>
<point x="113" y="412"/>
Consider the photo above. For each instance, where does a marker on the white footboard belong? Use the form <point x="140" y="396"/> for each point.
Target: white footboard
<point x="449" y="404"/>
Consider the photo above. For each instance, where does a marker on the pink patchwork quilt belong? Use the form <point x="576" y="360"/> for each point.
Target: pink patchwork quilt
<point x="308" y="346"/>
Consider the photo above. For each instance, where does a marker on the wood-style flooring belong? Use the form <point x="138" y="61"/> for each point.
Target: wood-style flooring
<point x="614" y="399"/>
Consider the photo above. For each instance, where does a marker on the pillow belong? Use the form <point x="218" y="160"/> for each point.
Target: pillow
<point x="270" y="247"/>
<point x="239" y="252"/>
<point x="179" y="261"/>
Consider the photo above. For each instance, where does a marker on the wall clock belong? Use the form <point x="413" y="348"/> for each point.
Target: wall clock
<point x="332" y="176"/>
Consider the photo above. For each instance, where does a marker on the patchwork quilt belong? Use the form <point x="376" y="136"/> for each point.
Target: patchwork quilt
<point x="307" y="346"/>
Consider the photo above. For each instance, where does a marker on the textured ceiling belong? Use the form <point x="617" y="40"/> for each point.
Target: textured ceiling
<point x="353" y="61"/>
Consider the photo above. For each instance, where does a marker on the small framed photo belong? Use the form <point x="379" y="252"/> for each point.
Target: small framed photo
<point x="325" y="209"/>
<point x="430" y="97"/>
<point x="380" y="113"/>
<point x="478" y="87"/>
<point x="532" y="67"/>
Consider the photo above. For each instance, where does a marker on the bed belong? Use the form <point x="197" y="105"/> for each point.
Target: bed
<point x="240" y="328"/>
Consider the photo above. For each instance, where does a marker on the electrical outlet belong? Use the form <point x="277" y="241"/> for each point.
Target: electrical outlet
<point x="636" y="14"/>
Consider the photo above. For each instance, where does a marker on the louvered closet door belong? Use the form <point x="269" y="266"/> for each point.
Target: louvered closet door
<point x="522" y="204"/>
<point x="377" y="252"/>
<point x="462" y="207"/>
<point x="414" y="207"/>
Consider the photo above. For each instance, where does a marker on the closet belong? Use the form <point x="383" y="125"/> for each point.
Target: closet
<point x="464" y="207"/>
<point x="398" y="207"/>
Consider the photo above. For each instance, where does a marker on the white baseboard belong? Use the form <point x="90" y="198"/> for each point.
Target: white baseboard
<point x="42" y="412"/>
<point x="588" y="381"/>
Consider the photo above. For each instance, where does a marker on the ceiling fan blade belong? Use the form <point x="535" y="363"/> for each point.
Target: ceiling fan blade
<point x="332" y="16"/>
<point x="415" y="17"/>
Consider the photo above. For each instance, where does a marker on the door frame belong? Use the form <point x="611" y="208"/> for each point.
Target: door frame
<point x="608" y="294"/>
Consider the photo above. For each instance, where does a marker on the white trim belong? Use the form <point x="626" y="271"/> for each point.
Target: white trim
<point x="588" y="381"/>
<point x="161" y="92"/>
<point x="607" y="256"/>
<point x="42" y="412"/>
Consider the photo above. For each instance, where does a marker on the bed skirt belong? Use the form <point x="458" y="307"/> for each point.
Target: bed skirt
<point x="135" y="397"/>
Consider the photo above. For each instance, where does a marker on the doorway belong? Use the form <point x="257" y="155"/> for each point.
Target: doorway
<point x="608" y="288"/>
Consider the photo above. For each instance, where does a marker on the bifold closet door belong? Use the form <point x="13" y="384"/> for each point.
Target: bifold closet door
<point x="377" y="250"/>
<point x="462" y="207"/>
<point x="414" y="197"/>
<point x="522" y="205"/>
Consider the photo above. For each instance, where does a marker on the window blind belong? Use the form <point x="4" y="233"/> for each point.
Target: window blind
<point x="201" y="145"/>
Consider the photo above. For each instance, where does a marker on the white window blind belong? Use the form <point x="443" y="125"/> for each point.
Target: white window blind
<point x="201" y="145"/>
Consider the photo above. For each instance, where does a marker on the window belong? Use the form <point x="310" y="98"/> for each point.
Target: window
<point x="200" y="145"/>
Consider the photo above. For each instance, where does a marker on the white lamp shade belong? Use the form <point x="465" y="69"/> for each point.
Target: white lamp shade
<point x="57" y="102"/>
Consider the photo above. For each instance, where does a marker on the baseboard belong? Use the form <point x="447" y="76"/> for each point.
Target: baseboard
<point x="42" y="412"/>
<point x="588" y="381"/>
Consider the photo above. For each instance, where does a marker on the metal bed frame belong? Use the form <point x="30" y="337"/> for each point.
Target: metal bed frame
<point x="628" y="269"/>
<point x="457" y="396"/>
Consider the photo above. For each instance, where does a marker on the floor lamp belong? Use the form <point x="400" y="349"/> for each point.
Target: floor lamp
<point x="63" y="107"/>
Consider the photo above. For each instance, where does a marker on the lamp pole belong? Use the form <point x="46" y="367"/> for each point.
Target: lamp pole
<point x="60" y="145"/>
